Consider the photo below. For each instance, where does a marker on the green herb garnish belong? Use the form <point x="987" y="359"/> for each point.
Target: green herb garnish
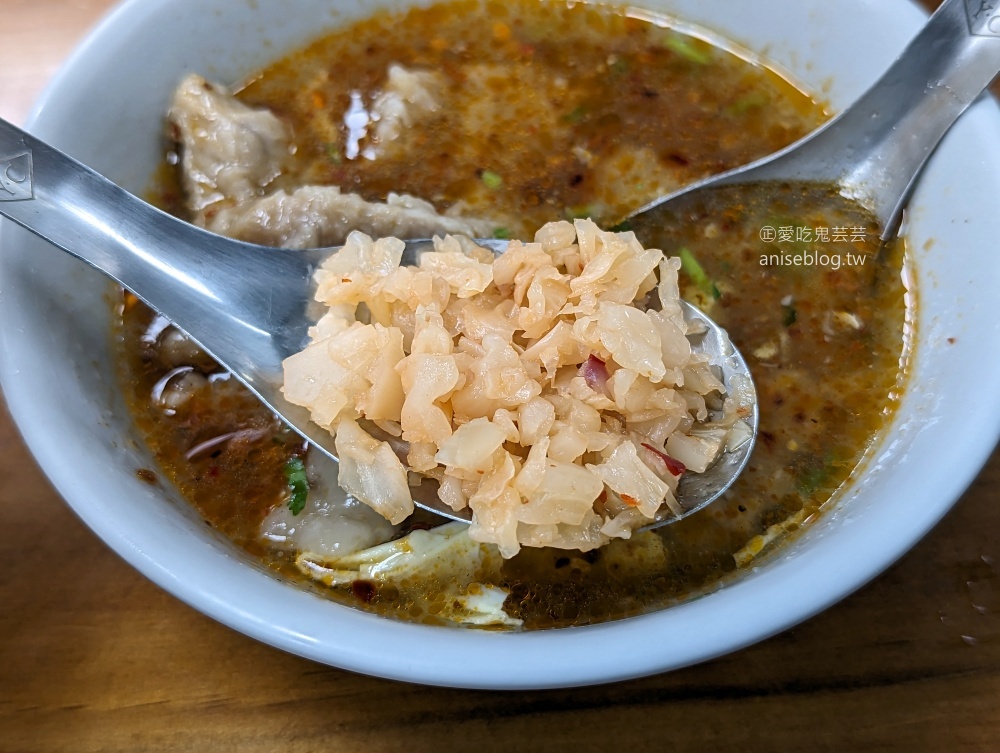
<point x="584" y="212"/>
<point x="812" y="478"/>
<point x="622" y="227"/>
<point x="698" y="276"/>
<point x="686" y="49"/>
<point x="332" y="151"/>
<point x="491" y="179"/>
<point x="576" y="115"/>
<point x="619" y="67"/>
<point x="751" y="101"/>
<point x="501" y="234"/>
<point x="295" y="475"/>
<point x="814" y="472"/>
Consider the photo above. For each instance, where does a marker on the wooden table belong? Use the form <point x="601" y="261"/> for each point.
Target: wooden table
<point x="95" y="658"/>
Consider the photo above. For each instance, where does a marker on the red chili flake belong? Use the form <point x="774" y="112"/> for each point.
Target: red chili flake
<point x="676" y="467"/>
<point x="630" y="501"/>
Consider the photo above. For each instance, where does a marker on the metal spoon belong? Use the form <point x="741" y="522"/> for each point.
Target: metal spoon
<point x="875" y="149"/>
<point x="246" y="305"/>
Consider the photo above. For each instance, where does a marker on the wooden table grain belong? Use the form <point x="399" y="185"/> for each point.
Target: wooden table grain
<point x="95" y="658"/>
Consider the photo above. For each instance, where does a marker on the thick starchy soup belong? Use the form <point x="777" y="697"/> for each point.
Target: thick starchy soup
<point x="490" y="119"/>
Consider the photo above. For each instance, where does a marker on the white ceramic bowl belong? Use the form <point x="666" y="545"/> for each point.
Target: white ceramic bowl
<point x="106" y="108"/>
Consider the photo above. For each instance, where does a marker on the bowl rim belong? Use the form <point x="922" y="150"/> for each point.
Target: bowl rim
<point x="527" y="657"/>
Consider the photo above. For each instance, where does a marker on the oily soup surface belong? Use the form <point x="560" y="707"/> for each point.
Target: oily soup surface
<point x="551" y="112"/>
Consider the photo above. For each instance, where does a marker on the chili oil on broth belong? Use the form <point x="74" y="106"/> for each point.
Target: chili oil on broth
<point x="552" y="112"/>
<point x="820" y="321"/>
<point x="553" y="105"/>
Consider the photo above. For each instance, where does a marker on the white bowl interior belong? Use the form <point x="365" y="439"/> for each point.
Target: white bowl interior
<point x="106" y="108"/>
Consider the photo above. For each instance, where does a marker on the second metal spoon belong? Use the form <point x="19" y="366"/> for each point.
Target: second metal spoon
<point x="875" y="149"/>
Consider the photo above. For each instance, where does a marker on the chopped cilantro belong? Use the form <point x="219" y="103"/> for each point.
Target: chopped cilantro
<point x="576" y="115"/>
<point x="295" y="475"/>
<point x="332" y="151"/>
<point x="502" y="234"/>
<point x="812" y="479"/>
<point x="491" y="179"/>
<point x="790" y="315"/>
<point x="618" y="67"/>
<point x="685" y="47"/>
<point x="751" y="101"/>
<point x="584" y="212"/>
<point x="696" y="272"/>
<point x="815" y="472"/>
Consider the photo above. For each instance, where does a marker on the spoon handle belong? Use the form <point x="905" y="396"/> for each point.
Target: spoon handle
<point x="233" y="298"/>
<point x="83" y="213"/>
<point x="876" y="148"/>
